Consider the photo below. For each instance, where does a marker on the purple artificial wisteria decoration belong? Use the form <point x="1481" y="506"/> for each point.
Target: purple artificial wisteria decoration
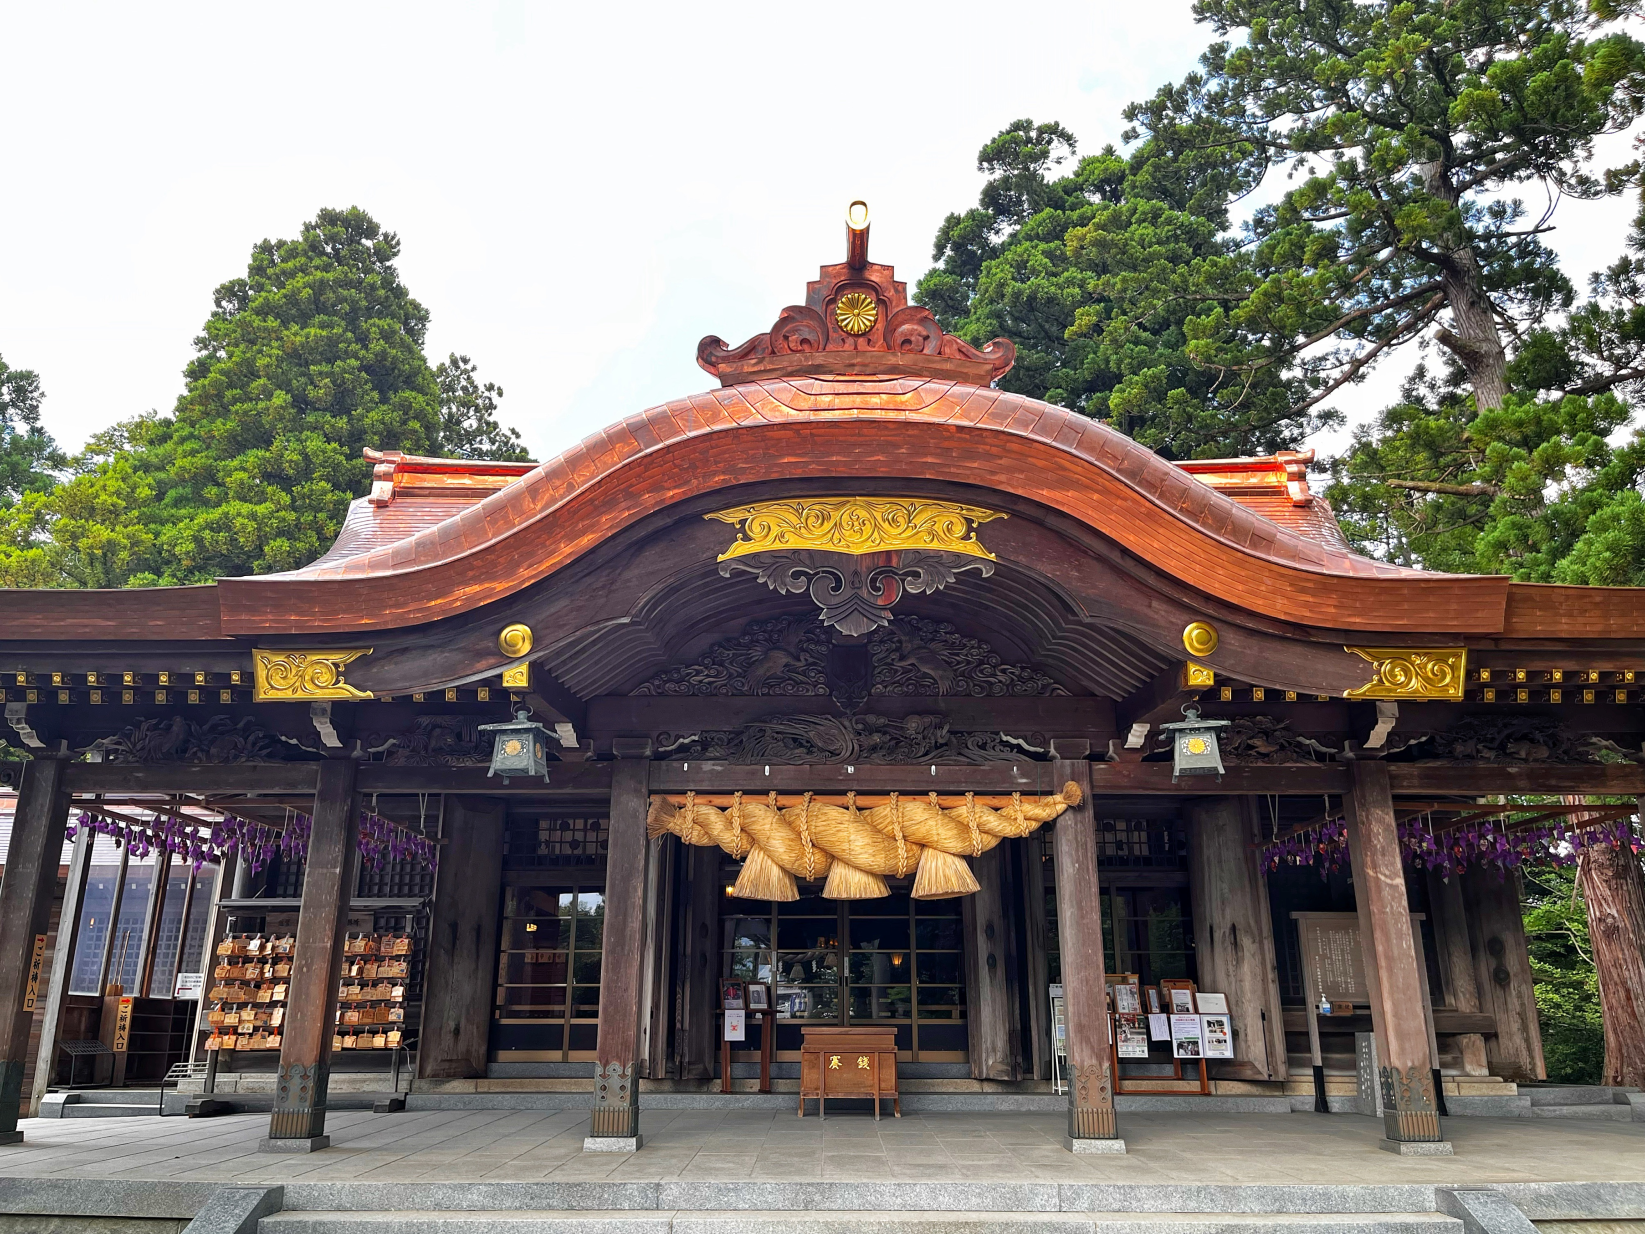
<point x="381" y="839"/>
<point x="1489" y="842"/>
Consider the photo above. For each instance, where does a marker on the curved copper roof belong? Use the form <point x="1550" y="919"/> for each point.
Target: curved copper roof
<point x="832" y="430"/>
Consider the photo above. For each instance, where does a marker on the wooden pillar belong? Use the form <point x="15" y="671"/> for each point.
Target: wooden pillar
<point x="615" y="1125"/>
<point x="1036" y="966"/>
<point x="25" y="918"/>
<point x="1410" y="1115"/>
<point x="655" y="970"/>
<point x="1456" y="965"/>
<point x="1502" y="973"/>
<point x="1234" y="934"/>
<point x="298" y="1123"/>
<point x="700" y="953"/>
<point x="1091" y="1124"/>
<point x="990" y="1000"/>
<point x="62" y="964"/>
<point x="462" y="941"/>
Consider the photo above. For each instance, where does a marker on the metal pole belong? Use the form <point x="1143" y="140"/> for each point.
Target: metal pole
<point x="114" y="921"/>
<point x="182" y="929"/>
<point x="151" y="922"/>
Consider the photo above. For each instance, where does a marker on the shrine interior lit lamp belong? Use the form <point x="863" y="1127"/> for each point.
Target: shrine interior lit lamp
<point x="1194" y="749"/>
<point x="520" y="748"/>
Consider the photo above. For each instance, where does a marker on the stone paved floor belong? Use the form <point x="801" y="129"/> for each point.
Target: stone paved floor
<point x="518" y="1145"/>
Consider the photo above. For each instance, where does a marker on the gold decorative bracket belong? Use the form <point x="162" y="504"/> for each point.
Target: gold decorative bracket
<point x="1413" y="672"/>
<point x="304" y="676"/>
<point x="856" y="525"/>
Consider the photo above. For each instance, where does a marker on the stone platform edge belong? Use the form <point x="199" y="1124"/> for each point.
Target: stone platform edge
<point x="1563" y="1201"/>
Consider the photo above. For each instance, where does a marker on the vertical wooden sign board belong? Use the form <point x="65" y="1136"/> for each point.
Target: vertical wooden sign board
<point x="37" y="964"/>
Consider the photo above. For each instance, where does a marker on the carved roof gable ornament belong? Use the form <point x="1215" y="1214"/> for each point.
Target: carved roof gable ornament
<point x="856" y="555"/>
<point x="856" y="322"/>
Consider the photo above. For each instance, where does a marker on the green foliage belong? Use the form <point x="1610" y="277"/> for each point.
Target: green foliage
<point x="1532" y="488"/>
<point x="314" y="354"/>
<point x="1392" y="123"/>
<point x="28" y="456"/>
<point x="93" y="529"/>
<point x="1105" y="279"/>
<point x="1567" y="986"/>
<point x="468" y="415"/>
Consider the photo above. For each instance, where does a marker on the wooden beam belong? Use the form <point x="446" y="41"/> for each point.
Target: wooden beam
<point x="564" y="780"/>
<point x="1026" y="777"/>
<point x="1055" y="714"/>
<point x="1489" y="779"/>
<point x="36" y="849"/>
<point x="192" y="777"/>
<point x="1160" y="699"/>
<point x="1155" y="778"/>
<point x="299" y="1118"/>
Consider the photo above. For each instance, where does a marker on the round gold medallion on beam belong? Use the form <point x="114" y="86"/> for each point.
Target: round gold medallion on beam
<point x="856" y="312"/>
<point x="515" y="640"/>
<point x="1200" y="638"/>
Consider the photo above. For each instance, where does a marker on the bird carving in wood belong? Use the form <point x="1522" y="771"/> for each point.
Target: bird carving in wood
<point x="777" y="660"/>
<point x="910" y="652"/>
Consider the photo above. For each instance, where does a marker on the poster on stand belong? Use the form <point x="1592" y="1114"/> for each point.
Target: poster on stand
<point x="1182" y="1001"/>
<point x="1131" y="1037"/>
<point x="1185" y="1037"/>
<point x="1217" y="1036"/>
<point x="1127" y="999"/>
<point x="1153" y="1001"/>
<point x="1212" y="1004"/>
<point x="1159" y="1026"/>
<point x="736" y="1026"/>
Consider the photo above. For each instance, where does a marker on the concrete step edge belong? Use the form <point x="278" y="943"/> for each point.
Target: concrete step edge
<point x="751" y="1221"/>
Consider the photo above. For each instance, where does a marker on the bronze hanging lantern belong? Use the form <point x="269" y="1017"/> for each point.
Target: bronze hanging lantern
<point x="1194" y="749"/>
<point x="521" y="747"/>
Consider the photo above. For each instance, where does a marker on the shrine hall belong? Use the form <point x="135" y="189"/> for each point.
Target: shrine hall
<point x="853" y="737"/>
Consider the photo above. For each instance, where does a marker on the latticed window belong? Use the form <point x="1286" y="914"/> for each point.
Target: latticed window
<point x="892" y="961"/>
<point x="556" y="841"/>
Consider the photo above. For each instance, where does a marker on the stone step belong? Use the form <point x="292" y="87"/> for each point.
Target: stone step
<point x="1570" y="1094"/>
<point x="745" y="1221"/>
<point x="100" y="1109"/>
<point x="1608" y="1113"/>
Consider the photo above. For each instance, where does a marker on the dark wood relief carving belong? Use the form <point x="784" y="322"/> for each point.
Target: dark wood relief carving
<point x="1506" y="738"/>
<point x="855" y="593"/>
<point x="912" y="657"/>
<point x="434" y="741"/>
<point x="221" y="739"/>
<point x="1263" y="739"/>
<point x="850" y="739"/>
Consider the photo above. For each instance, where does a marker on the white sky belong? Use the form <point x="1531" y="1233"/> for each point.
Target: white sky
<point x="582" y="191"/>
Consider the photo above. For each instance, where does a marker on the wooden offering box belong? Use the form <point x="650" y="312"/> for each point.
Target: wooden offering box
<point x="849" y="1062"/>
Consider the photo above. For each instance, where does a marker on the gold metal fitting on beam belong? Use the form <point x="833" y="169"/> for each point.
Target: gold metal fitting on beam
<point x="1197" y="676"/>
<point x="304" y="676"/>
<point x="1413" y="672"/>
<point x="856" y="525"/>
<point x="515" y="640"/>
<point x="1200" y="638"/>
